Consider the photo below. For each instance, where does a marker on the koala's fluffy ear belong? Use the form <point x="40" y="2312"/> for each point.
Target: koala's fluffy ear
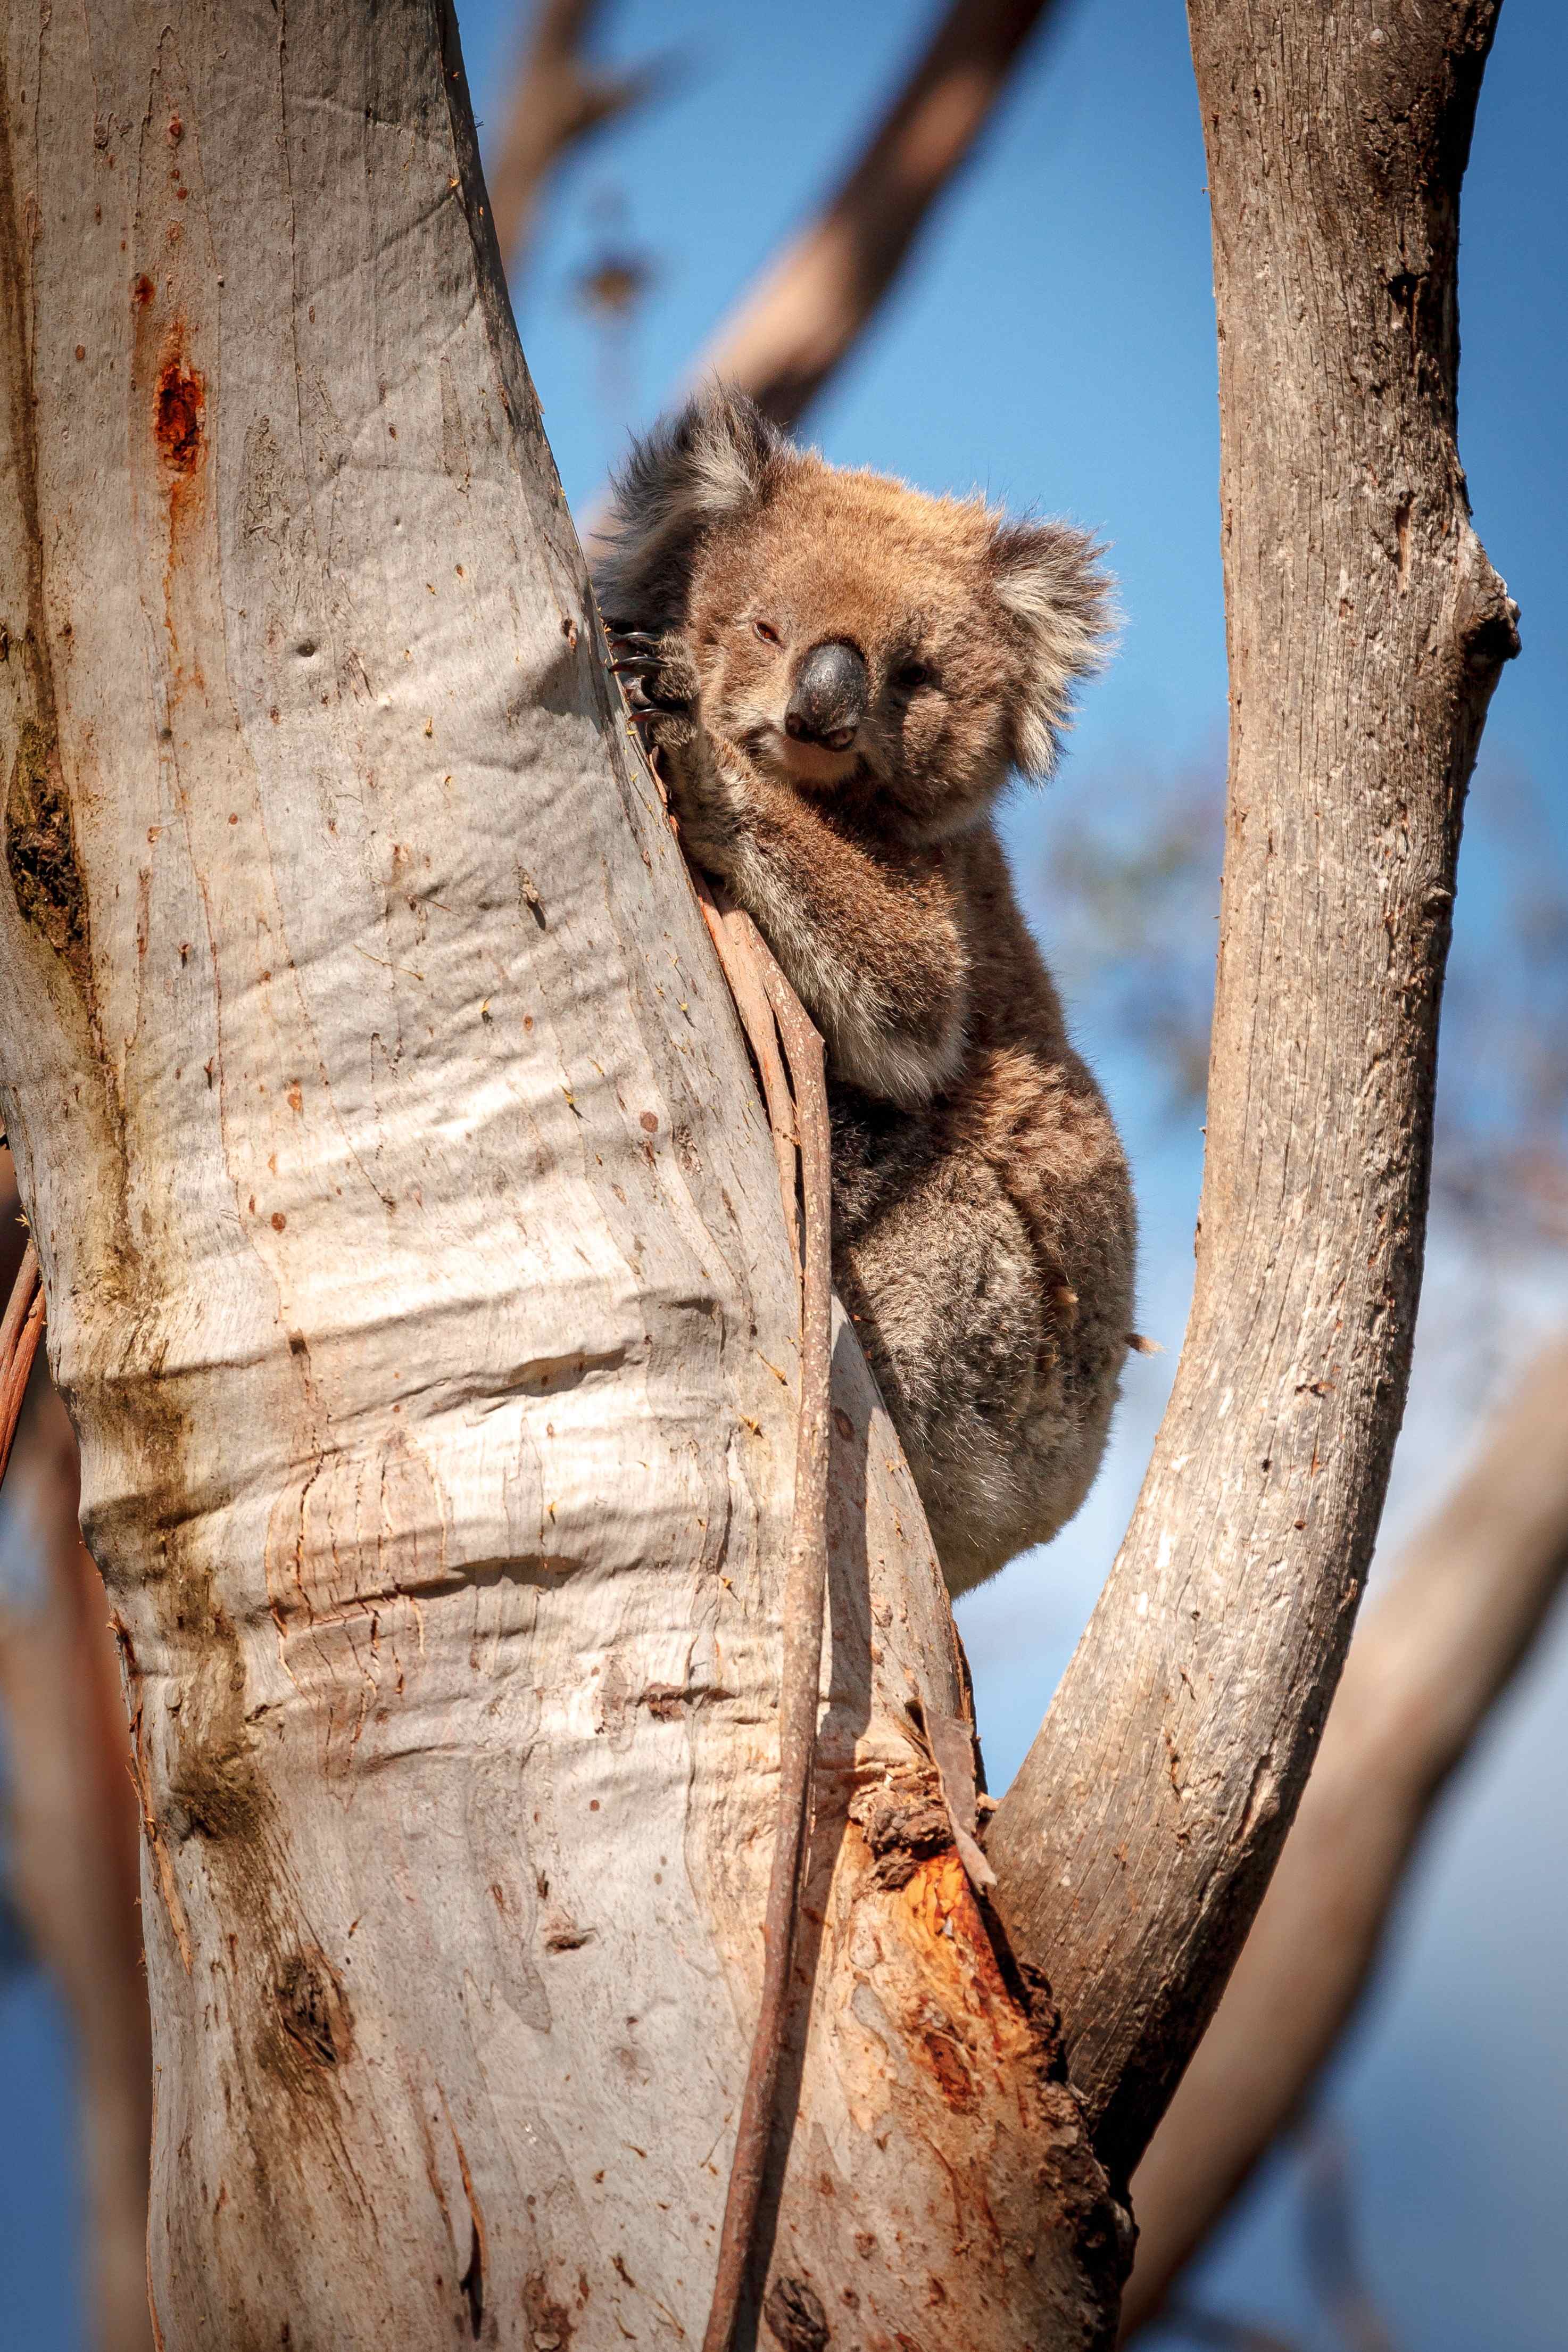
<point x="707" y="465"/>
<point x="1055" y="592"/>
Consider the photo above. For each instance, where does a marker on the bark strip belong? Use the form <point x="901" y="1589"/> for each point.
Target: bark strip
<point x="805" y="1600"/>
<point x="20" y="1331"/>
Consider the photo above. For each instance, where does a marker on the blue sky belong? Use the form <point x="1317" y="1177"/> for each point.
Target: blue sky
<point x="1054" y="343"/>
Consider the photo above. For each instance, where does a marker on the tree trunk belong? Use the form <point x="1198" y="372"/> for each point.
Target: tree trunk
<point x="419" y="1290"/>
<point x="1365" y="630"/>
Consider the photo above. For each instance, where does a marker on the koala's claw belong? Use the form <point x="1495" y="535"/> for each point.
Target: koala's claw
<point x="643" y="664"/>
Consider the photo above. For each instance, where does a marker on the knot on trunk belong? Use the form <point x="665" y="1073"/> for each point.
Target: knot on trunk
<point x="795" y="2316"/>
<point x="313" y="2008"/>
<point x="41" y="854"/>
<point x="1487" y="619"/>
<point x="904" y="1820"/>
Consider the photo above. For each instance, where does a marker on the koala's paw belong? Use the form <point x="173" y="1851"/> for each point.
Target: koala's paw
<point x="660" y="683"/>
<point x="661" y="690"/>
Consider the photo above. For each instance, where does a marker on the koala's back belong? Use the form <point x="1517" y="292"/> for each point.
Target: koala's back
<point x="985" y="1245"/>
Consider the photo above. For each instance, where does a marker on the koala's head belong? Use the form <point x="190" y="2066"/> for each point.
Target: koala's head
<point x="848" y="631"/>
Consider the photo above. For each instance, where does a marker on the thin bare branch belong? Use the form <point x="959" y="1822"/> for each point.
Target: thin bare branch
<point x="560" y="97"/>
<point x="806" y="312"/>
<point x="20" y="1329"/>
<point x="1423" y="1674"/>
<point x="1334" y="2254"/>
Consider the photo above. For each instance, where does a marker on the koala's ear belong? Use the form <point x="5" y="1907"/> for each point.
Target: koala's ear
<point x="1056" y="595"/>
<point x="707" y="465"/>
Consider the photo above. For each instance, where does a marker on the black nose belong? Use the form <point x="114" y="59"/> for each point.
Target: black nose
<point x="829" y="698"/>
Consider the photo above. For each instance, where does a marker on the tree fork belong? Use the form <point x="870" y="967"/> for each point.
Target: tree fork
<point x="1365" y="631"/>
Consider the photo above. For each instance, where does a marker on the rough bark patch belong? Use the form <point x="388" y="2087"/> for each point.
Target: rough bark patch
<point x="795" y="2316"/>
<point x="180" y="400"/>
<point x="41" y="853"/>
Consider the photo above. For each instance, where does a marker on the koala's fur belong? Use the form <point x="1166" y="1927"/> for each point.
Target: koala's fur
<point x="983" y="1220"/>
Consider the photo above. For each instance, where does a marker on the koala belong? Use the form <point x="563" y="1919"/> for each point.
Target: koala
<point x="841" y="674"/>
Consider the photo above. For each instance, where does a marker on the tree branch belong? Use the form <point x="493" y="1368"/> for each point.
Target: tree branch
<point x="71" y="1819"/>
<point x="1423" y="1674"/>
<point x="1365" y="631"/>
<point x="558" y="99"/>
<point x="805" y="313"/>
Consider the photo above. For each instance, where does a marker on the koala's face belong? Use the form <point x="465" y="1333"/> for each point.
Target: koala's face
<point x="852" y="635"/>
<point x="847" y="627"/>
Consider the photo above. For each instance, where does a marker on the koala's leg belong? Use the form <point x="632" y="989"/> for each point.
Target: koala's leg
<point x="869" y="935"/>
<point x="945" y="1290"/>
<point x="1041" y="1123"/>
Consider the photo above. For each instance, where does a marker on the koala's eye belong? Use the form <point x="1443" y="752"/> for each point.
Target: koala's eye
<point x="768" y="635"/>
<point x="910" y="673"/>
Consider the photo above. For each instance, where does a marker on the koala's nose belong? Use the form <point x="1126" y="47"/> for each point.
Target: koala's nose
<point x="830" y="698"/>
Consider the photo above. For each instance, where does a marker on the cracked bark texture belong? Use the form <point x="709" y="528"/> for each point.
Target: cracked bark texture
<point x="1365" y="630"/>
<point x="419" y="1290"/>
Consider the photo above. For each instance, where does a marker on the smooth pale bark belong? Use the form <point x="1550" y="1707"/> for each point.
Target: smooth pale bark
<point x="1425" y="1671"/>
<point x="1365" y="630"/>
<point x="419" y="1290"/>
